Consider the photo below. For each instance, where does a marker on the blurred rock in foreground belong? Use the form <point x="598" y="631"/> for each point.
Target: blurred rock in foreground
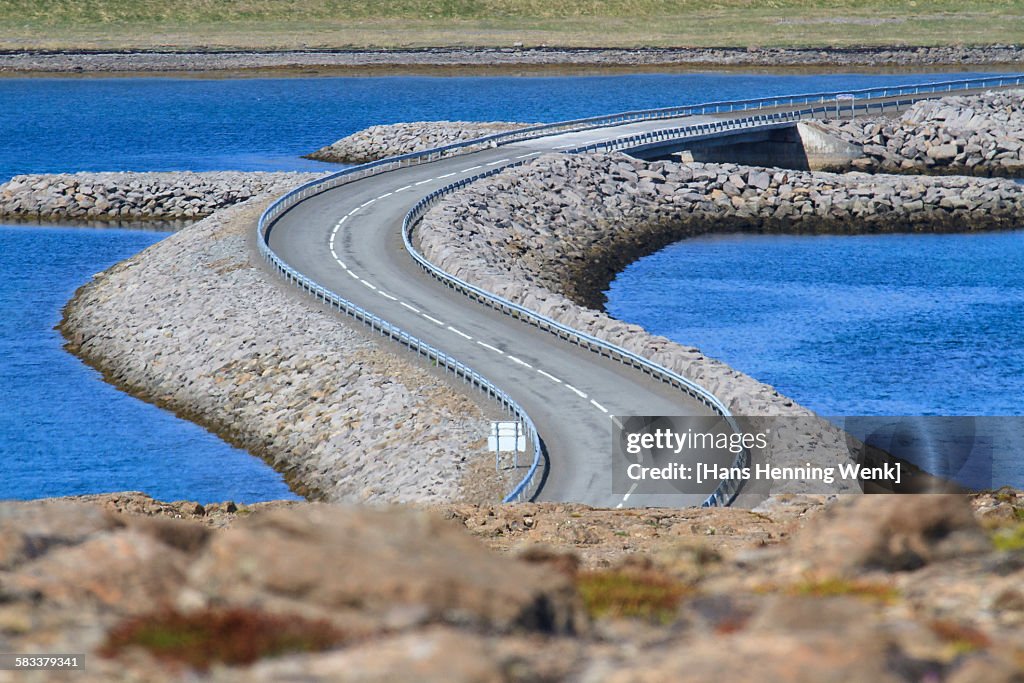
<point x="869" y="588"/>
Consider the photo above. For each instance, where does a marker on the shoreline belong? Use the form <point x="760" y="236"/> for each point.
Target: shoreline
<point x="499" y="61"/>
<point x="499" y="70"/>
<point x="725" y="195"/>
<point x="574" y="231"/>
<point x="315" y="400"/>
<point x="309" y="492"/>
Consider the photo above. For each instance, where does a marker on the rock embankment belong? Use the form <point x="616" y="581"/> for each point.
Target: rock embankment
<point x="378" y="142"/>
<point x="552" y="234"/>
<point x="194" y="326"/>
<point x="115" y="197"/>
<point x="981" y="135"/>
<point x="967" y="135"/>
<point x="880" y="589"/>
<point x="513" y="58"/>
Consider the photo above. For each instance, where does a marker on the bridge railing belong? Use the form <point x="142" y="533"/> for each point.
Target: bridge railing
<point x="728" y="489"/>
<point x="724" y="106"/>
<point x="714" y="128"/>
<point x="729" y="106"/>
<point x="527" y="487"/>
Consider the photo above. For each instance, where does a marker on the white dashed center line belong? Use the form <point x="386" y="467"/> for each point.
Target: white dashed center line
<point x="491" y="348"/>
<point x="432" y="319"/>
<point x="550" y="377"/>
<point x="626" y="497"/>
<point x="575" y="391"/>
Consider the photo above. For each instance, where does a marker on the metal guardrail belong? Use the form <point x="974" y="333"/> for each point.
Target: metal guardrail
<point x="728" y="489"/>
<point x="526" y="488"/>
<point x="728" y="106"/>
<point x="442" y="359"/>
<point x="712" y="129"/>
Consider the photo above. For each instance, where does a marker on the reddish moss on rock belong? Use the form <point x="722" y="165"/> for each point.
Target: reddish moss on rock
<point x="962" y="637"/>
<point x="232" y="636"/>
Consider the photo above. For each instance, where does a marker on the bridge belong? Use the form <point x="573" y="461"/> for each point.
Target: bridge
<point x="347" y="240"/>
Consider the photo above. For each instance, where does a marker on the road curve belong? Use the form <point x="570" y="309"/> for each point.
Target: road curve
<point x="349" y="240"/>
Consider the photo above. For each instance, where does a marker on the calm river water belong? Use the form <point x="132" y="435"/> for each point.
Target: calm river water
<point x="63" y="431"/>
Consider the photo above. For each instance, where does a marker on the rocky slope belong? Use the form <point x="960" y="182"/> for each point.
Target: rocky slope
<point x="551" y="234"/>
<point x="194" y="325"/>
<point x="378" y="142"/>
<point x="135" y="197"/>
<point x="967" y="135"/>
<point x="857" y="589"/>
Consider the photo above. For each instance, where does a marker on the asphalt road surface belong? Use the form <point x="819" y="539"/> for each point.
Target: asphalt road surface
<point x="349" y="240"/>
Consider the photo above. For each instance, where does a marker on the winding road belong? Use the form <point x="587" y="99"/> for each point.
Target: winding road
<point x="349" y="240"/>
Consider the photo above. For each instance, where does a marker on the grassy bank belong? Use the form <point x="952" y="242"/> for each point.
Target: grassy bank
<point x="282" y="24"/>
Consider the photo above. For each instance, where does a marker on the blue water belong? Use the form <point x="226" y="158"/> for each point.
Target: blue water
<point x="62" y="125"/>
<point x="847" y="325"/>
<point x="62" y="430"/>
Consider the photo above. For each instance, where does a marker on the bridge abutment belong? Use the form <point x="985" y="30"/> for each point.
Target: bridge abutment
<point x="801" y="146"/>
